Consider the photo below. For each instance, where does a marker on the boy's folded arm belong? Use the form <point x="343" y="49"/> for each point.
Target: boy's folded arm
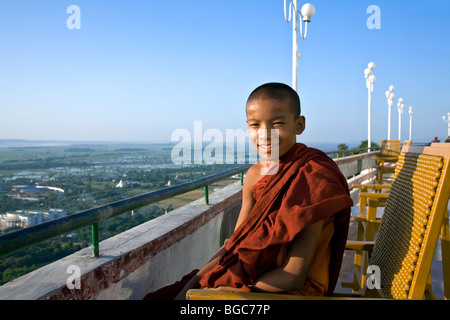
<point x="292" y="275"/>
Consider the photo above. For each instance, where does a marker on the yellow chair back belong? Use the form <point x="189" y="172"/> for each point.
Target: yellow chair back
<point x="407" y="237"/>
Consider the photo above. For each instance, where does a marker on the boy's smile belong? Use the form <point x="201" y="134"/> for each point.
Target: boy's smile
<point x="272" y="127"/>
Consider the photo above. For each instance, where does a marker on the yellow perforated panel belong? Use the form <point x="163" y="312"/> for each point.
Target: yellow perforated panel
<point x="403" y="228"/>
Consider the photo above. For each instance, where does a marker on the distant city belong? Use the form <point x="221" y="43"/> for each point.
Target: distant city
<point x="28" y="218"/>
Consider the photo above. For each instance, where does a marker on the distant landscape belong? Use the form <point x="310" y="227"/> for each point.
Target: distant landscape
<point x="89" y="174"/>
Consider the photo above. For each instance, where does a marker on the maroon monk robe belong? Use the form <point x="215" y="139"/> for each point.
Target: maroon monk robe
<point x="307" y="187"/>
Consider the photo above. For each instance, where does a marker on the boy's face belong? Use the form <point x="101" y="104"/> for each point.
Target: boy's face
<point x="266" y="116"/>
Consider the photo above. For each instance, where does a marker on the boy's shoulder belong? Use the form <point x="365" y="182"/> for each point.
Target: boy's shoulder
<point x="254" y="172"/>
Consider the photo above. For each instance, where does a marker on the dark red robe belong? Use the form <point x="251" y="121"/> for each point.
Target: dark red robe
<point x="306" y="188"/>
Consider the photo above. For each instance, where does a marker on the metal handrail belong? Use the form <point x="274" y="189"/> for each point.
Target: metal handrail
<point x="21" y="238"/>
<point x="353" y="151"/>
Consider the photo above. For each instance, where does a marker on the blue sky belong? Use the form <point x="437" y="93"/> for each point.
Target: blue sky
<point x="138" y="70"/>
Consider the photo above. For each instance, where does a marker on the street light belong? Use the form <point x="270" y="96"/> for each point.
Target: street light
<point x="400" y="107"/>
<point x="370" y="80"/>
<point x="448" y="121"/>
<point x="411" y="113"/>
<point x="305" y="15"/>
<point x="390" y="99"/>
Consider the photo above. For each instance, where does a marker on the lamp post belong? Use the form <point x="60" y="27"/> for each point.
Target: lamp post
<point x="370" y="80"/>
<point x="400" y="107"/>
<point x="305" y="15"/>
<point x="390" y="99"/>
<point x="411" y="113"/>
<point x="448" y="121"/>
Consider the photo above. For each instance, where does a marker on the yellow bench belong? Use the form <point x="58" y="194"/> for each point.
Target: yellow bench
<point x="386" y="159"/>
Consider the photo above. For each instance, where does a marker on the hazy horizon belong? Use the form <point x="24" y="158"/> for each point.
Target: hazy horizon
<point x="24" y="143"/>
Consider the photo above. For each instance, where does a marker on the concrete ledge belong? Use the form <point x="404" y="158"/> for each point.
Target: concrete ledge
<point x="353" y="165"/>
<point x="135" y="262"/>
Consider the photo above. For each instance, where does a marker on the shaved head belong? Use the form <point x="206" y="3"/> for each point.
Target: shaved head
<point x="280" y="92"/>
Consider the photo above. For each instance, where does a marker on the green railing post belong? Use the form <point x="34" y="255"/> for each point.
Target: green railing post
<point x="242" y="178"/>
<point x="95" y="249"/>
<point x="206" y="194"/>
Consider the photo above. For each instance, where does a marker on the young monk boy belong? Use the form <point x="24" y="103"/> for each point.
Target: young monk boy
<point x="293" y="224"/>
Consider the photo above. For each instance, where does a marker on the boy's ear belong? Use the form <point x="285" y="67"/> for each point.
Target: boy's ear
<point x="300" y="125"/>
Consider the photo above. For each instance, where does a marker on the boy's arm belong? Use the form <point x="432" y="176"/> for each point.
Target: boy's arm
<point x="247" y="196"/>
<point x="292" y="275"/>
